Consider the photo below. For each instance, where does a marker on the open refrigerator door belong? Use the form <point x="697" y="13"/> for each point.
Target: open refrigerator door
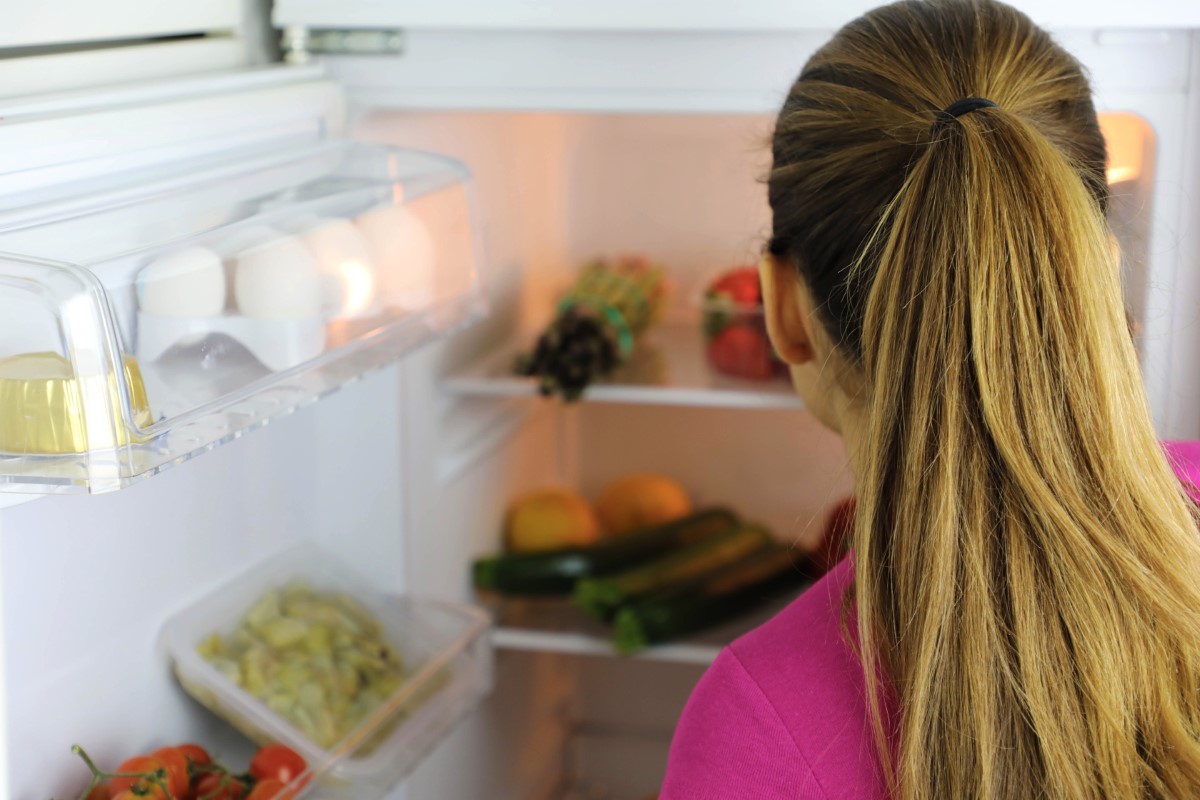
<point x="185" y="262"/>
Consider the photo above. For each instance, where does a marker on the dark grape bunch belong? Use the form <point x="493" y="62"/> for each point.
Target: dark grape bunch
<point x="576" y="349"/>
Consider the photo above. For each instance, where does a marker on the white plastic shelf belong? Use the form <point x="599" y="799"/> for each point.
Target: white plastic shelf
<point x="555" y="626"/>
<point x="669" y="369"/>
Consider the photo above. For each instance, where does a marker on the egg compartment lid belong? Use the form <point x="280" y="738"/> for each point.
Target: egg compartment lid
<point x="150" y="316"/>
<point x="444" y="647"/>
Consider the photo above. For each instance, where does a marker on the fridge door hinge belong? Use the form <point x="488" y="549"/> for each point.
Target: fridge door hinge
<point x="300" y="44"/>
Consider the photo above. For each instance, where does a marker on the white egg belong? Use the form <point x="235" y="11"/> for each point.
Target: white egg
<point x="185" y="283"/>
<point x="277" y="279"/>
<point x="404" y="255"/>
<point x="347" y="270"/>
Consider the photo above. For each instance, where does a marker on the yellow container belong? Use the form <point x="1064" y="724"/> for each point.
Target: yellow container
<point x="45" y="408"/>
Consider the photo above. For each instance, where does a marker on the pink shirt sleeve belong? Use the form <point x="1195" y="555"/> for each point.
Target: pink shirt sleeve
<point x="730" y="744"/>
<point x="1185" y="460"/>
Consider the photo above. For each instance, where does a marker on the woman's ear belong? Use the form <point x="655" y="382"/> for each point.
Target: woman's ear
<point x="786" y="304"/>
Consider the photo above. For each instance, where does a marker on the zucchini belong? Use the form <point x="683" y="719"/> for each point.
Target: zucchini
<point x="716" y="598"/>
<point x="557" y="571"/>
<point x="601" y="597"/>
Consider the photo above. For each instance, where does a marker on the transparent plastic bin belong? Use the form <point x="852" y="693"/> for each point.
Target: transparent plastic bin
<point x="147" y="318"/>
<point x="736" y="343"/>
<point x="444" y="646"/>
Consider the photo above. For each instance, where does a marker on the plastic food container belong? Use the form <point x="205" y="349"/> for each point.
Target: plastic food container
<point x="735" y="340"/>
<point x="447" y="660"/>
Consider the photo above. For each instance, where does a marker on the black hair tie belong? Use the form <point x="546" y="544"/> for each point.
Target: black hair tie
<point x="959" y="107"/>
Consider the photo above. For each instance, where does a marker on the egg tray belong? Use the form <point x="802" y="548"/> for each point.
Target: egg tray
<point x="147" y="320"/>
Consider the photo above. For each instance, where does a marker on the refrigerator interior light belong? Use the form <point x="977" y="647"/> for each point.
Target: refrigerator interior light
<point x="347" y="271"/>
<point x="358" y="283"/>
<point x="1128" y="138"/>
<point x="404" y="248"/>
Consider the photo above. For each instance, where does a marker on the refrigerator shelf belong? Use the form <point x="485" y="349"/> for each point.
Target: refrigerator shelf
<point x="556" y="626"/>
<point x="152" y="316"/>
<point x="670" y="369"/>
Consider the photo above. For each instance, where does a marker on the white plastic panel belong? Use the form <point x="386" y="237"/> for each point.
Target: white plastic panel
<point x="654" y="71"/>
<point x="57" y="71"/>
<point x="686" y="15"/>
<point x="1181" y="414"/>
<point x="67" y="137"/>
<point x="55" y="22"/>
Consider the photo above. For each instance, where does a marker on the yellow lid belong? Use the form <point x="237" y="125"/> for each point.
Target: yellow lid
<point x="44" y="408"/>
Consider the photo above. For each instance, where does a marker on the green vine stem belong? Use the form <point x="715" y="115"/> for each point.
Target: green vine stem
<point x="99" y="775"/>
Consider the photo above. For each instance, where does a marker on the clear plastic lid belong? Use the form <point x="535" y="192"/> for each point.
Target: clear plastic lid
<point x="145" y="320"/>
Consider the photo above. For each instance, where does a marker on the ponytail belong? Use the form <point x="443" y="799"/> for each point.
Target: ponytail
<point x="1037" y="602"/>
<point x="1027" y="566"/>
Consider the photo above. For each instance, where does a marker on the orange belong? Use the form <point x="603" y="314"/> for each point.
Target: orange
<point x="549" y="519"/>
<point x="641" y="501"/>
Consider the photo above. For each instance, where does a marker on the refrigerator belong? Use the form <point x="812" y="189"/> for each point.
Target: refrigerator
<point x="475" y="154"/>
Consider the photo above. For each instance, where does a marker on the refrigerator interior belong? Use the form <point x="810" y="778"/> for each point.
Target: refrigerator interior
<point x="559" y="189"/>
<point x="409" y="481"/>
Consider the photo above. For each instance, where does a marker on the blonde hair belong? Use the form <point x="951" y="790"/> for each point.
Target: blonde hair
<point x="1027" y="565"/>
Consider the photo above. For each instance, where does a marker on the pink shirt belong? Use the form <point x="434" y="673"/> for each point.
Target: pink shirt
<point x="1185" y="458"/>
<point x="782" y="714"/>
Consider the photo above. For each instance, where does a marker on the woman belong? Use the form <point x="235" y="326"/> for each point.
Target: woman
<point x="1020" y="616"/>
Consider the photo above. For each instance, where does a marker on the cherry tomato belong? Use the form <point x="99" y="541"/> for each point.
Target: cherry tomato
<point x="125" y="795"/>
<point x="209" y="788"/>
<point x="271" y="789"/>
<point x="279" y="762"/>
<point x="145" y="788"/>
<point x="195" y="754"/>
<point x="177" y="770"/>
<point x="99" y="792"/>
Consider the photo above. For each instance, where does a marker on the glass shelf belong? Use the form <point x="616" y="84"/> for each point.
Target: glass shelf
<point x="151" y="317"/>
<point x="669" y="369"/>
<point x="556" y="626"/>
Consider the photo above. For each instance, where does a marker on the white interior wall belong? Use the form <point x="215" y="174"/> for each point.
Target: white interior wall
<point x="683" y="189"/>
<point x="780" y="468"/>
